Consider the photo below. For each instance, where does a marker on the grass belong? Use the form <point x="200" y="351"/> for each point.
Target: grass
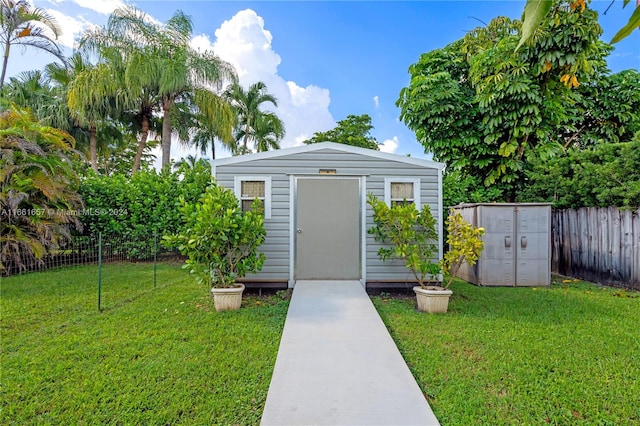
<point x="151" y="356"/>
<point x="567" y="354"/>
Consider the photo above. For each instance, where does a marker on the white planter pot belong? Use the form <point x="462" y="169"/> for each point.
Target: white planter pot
<point x="227" y="299"/>
<point x="434" y="300"/>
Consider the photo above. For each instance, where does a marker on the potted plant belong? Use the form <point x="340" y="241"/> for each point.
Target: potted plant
<point x="411" y="236"/>
<point x="221" y="243"/>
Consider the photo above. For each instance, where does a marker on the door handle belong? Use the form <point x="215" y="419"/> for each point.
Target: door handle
<point x="299" y="231"/>
<point x="507" y="242"/>
<point x="523" y="242"/>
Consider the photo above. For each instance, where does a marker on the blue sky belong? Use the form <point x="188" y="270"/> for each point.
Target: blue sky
<point x="326" y="59"/>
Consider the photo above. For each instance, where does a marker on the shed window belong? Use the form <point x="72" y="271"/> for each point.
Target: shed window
<point x="249" y="188"/>
<point x="402" y="191"/>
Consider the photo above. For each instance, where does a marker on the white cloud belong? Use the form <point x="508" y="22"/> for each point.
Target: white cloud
<point x="300" y="139"/>
<point x="244" y="42"/>
<point x="390" y="145"/>
<point x="104" y="7"/>
<point x="71" y="27"/>
<point x="201" y="43"/>
<point x="376" y="101"/>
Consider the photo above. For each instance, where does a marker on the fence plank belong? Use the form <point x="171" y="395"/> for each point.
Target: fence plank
<point x="597" y="244"/>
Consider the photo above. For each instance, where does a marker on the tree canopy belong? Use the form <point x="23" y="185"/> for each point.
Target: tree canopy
<point x="535" y="12"/>
<point x="159" y="66"/>
<point x="606" y="175"/>
<point x="263" y="129"/>
<point x="22" y="24"/>
<point x="38" y="188"/>
<point x="354" y="130"/>
<point x="489" y="110"/>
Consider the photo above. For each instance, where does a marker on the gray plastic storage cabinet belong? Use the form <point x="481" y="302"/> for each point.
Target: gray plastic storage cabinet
<point x="517" y="244"/>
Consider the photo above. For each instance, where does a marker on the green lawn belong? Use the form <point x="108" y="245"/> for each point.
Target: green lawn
<point x="568" y="354"/>
<point x="152" y="356"/>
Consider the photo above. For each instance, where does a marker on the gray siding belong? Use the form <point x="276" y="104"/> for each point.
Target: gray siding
<point x="276" y="246"/>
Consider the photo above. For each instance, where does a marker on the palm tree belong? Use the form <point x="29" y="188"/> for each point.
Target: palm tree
<point x="90" y="97"/>
<point x="159" y="59"/>
<point x="29" y="90"/>
<point x="44" y="94"/>
<point x="247" y="107"/>
<point x="194" y="77"/>
<point x="190" y="161"/>
<point x="36" y="176"/>
<point x="135" y="93"/>
<point x="207" y="133"/>
<point x="97" y="137"/>
<point x="25" y="25"/>
<point x="266" y="132"/>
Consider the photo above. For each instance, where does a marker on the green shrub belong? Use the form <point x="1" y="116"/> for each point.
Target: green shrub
<point x="411" y="234"/>
<point x="137" y="207"/>
<point x="606" y="175"/>
<point x="220" y="240"/>
<point x="465" y="245"/>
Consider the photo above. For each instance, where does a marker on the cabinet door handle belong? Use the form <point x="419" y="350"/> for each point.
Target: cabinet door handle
<point x="507" y="242"/>
<point x="523" y="242"/>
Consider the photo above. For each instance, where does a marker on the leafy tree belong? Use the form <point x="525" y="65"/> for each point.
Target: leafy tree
<point x="37" y="188"/>
<point x="161" y="68"/>
<point x="22" y="24"/>
<point x="489" y="111"/>
<point x="354" y="130"/>
<point x="458" y="187"/>
<point x="263" y="129"/>
<point x="90" y="100"/>
<point x="609" y="107"/>
<point x="605" y="175"/>
<point x="206" y="135"/>
<point x="536" y="11"/>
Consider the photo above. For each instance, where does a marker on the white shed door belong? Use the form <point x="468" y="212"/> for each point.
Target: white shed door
<point x="327" y="229"/>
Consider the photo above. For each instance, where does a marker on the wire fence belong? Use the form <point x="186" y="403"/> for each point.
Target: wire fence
<point x="83" y="250"/>
<point x="95" y="250"/>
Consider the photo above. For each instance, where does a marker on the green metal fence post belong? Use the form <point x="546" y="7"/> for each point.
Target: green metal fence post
<point x="155" y="256"/>
<point x="99" y="268"/>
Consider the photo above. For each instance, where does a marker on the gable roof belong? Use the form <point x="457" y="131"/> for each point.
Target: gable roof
<point x="328" y="146"/>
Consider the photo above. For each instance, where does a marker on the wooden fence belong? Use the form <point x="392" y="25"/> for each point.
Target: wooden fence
<point x="597" y="244"/>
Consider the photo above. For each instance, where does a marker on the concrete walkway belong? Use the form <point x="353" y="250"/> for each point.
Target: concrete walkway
<point x="337" y="364"/>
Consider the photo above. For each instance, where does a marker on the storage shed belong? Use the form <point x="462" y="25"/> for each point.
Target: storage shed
<point x="315" y="209"/>
<point x="517" y="244"/>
